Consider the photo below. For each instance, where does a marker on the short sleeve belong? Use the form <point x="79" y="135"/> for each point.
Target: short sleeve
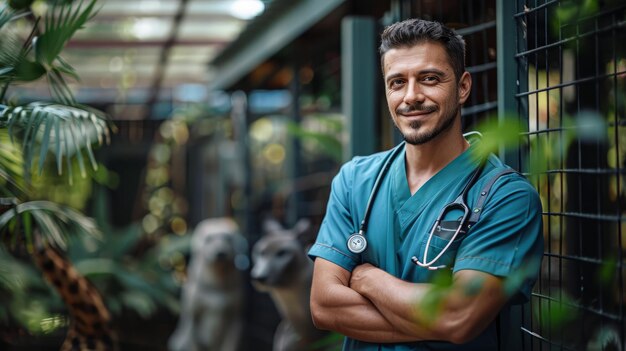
<point x="338" y="222"/>
<point x="507" y="241"/>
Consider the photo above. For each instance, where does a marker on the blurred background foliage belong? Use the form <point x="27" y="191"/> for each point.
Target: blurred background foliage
<point x="62" y="184"/>
<point x="50" y="154"/>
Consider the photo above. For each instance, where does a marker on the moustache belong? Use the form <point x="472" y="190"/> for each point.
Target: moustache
<point x="415" y="108"/>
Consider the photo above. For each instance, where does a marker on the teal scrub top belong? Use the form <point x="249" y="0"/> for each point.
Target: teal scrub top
<point x="505" y="242"/>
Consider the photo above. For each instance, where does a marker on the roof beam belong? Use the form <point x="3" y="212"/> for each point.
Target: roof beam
<point x="113" y="16"/>
<point x="283" y="22"/>
<point x="96" y="43"/>
<point x="163" y="58"/>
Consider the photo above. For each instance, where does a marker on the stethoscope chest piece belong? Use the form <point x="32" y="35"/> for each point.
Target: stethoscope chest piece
<point x="357" y="243"/>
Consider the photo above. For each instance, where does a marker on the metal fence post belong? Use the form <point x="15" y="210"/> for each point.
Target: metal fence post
<point x="359" y="98"/>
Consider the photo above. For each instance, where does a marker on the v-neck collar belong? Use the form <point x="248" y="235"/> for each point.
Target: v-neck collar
<point x="411" y="205"/>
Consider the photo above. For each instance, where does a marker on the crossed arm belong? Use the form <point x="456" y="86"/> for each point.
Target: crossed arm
<point x="371" y="305"/>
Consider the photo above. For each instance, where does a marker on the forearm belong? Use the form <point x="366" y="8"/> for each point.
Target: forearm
<point x="402" y="304"/>
<point x="337" y="307"/>
<point x="349" y="313"/>
<point x="455" y="313"/>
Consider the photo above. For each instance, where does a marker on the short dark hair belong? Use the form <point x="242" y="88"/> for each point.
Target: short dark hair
<point x="414" y="31"/>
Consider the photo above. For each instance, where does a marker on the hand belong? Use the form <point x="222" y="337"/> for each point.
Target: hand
<point x="363" y="277"/>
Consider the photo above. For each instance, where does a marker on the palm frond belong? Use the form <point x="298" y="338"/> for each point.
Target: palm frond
<point x="10" y="53"/>
<point x="11" y="168"/>
<point x="10" y="276"/>
<point x="15" y="64"/>
<point x="61" y="130"/>
<point x="66" y="68"/>
<point x="59" y="88"/>
<point x="10" y="47"/>
<point x="6" y="14"/>
<point x="61" y="24"/>
<point x="27" y="71"/>
<point x="131" y="279"/>
<point x="55" y="222"/>
<point x="329" y="143"/>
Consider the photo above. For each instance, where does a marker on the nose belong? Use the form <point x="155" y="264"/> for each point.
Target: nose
<point x="413" y="93"/>
<point x="258" y="273"/>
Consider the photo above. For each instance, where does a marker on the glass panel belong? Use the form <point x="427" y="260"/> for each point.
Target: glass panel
<point x="194" y="54"/>
<point x="129" y="28"/>
<point x="185" y="73"/>
<point x="217" y="29"/>
<point x="141" y="7"/>
<point x="217" y="7"/>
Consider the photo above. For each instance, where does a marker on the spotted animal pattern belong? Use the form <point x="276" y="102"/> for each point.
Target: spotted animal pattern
<point x="89" y="327"/>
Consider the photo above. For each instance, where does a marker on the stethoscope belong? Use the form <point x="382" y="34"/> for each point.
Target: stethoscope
<point x="357" y="242"/>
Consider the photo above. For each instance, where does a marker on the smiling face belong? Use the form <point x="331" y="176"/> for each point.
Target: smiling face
<point x="423" y="94"/>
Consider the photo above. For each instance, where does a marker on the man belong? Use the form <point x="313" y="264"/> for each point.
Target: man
<point x="381" y="298"/>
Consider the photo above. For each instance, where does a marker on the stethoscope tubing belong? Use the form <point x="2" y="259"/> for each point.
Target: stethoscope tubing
<point x="379" y="178"/>
<point x="357" y="242"/>
<point x="460" y="202"/>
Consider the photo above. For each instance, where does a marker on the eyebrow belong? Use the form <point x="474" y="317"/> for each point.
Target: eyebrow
<point x="393" y="76"/>
<point x="433" y="71"/>
<point x="422" y="72"/>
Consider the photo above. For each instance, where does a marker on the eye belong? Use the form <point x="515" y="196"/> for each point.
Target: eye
<point x="431" y="79"/>
<point x="396" y="83"/>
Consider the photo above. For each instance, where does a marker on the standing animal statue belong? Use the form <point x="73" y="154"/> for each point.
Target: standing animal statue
<point x="212" y="298"/>
<point x="282" y="268"/>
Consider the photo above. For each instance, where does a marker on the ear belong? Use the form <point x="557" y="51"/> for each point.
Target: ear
<point x="199" y="233"/>
<point x="271" y="225"/>
<point x="305" y="233"/>
<point x="302" y="226"/>
<point x="465" y="86"/>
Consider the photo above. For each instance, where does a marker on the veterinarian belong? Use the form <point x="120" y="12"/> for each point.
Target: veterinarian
<point x="399" y="221"/>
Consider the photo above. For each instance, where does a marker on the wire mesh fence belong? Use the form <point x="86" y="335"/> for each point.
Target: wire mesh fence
<point x="571" y="94"/>
<point x="475" y="20"/>
<point x="570" y="67"/>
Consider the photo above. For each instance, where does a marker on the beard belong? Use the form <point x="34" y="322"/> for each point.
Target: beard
<point x="417" y="138"/>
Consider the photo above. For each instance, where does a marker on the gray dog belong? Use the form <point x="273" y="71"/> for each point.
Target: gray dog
<point x="282" y="268"/>
<point x="212" y="297"/>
